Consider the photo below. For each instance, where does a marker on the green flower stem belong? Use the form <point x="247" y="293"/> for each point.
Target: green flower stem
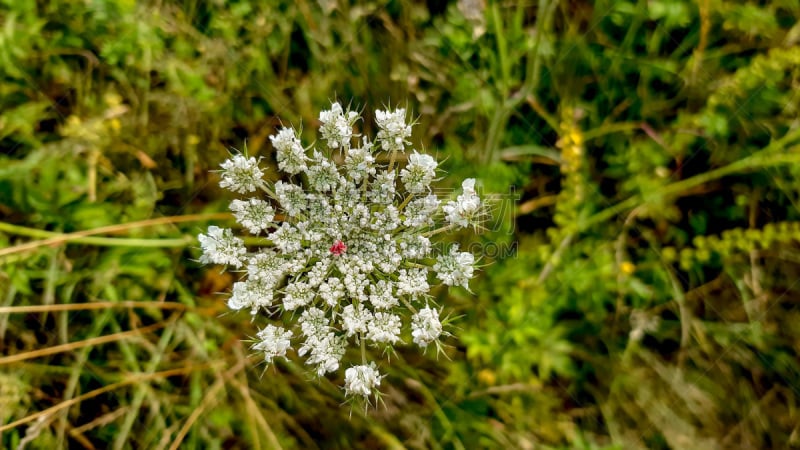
<point x="408" y="305"/>
<point x="363" y="348"/>
<point x="90" y="240"/>
<point x="259" y="241"/>
<point x="391" y="160"/>
<point x="269" y="192"/>
<point x="603" y="130"/>
<point x="405" y="202"/>
<point x="51" y="238"/>
<point x="439" y="230"/>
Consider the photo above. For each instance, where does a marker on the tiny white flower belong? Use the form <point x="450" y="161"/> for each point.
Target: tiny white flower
<point x="420" y="212"/>
<point x="220" y="246"/>
<point x="381" y="295"/>
<point x="384" y="327"/>
<point x="394" y="132"/>
<point x="466" y="209"/>
<point x="251" y="293"/>
<point x="240" y="174"/>
<point x="361" y="380"/>
<point x="337" y="126"/>
<point x="425" y="326"/>
<point x="412" y="282"/>
<point x="290" y="154"/>
<point x="274" y="341"/>
<point x="291" y="197"/>
<point x="325" y="351"/>
<point x="419" y="173"/>
<point x="297" y="294"/>
<point x="253" y="214"/>
<point x="456" y="268"/>
<point x="355" y="319"/>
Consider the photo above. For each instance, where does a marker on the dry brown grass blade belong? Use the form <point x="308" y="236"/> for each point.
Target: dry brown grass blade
<point x="208" y="400"/>
<point x="80" y="344"/>
<point x="535" y="203"/>
<point x="103" y="420"/>
<point x="81" y="439"/>
<point x="252" y="407"/>
<point x="111" y="229"/>
<point x="92" y="306"/>
<point x="139" y="378"/>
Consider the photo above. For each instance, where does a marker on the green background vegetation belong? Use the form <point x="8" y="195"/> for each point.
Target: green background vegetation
<point x="653" y="146"/>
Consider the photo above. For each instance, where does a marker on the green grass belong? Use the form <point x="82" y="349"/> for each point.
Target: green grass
<point x="653" y="147"/>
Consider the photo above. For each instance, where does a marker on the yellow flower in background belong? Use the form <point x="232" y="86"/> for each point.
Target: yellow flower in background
<point x="627" y="267"/>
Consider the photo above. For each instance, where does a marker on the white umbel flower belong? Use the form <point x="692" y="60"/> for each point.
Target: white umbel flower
<point x="419" y="173"/>
<point x="381" y="295"/>
<point x="345" y="244"/>
<point x="267" y="266"/>
<point x="314" y="323"/>
<point x="456" y="268"/>
<point x="355" y="319"/>
<point x="384" y="327"/>
<point x="337" y="126"/>
<point x="361" y="380"/>
<point x="291" y="197"/>
<point x="413" y="282"/>
<point x="254" y="214"/>
<point x="325" y="352"/>
<point x="240" y="174"/>
<point x="359" y="162"/>
<point x="273" y="341"/>
<point x="425" y="326"/>
<point x="290" y="154"/>
<point x="331" y="291"/>
<point x="323" y="176"/>
<point x="466" y="209"/>
<point x="394" y="131"/>
<point x="251" y="293"/>
<point x="420" y="212"/>
<point x="297" y="294"/>
<point x="220" y="246"/>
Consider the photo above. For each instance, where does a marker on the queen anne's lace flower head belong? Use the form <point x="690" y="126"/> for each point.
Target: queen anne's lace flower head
<point x="346" y="251"/>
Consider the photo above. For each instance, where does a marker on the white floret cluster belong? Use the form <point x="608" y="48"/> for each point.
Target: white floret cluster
<point x="344" y="252"/>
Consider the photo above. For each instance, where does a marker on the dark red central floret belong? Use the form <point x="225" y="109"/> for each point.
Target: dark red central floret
<point x="338" y="247"/>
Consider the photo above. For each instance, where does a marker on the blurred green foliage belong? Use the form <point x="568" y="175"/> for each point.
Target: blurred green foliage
<point x="644" y="296"/>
